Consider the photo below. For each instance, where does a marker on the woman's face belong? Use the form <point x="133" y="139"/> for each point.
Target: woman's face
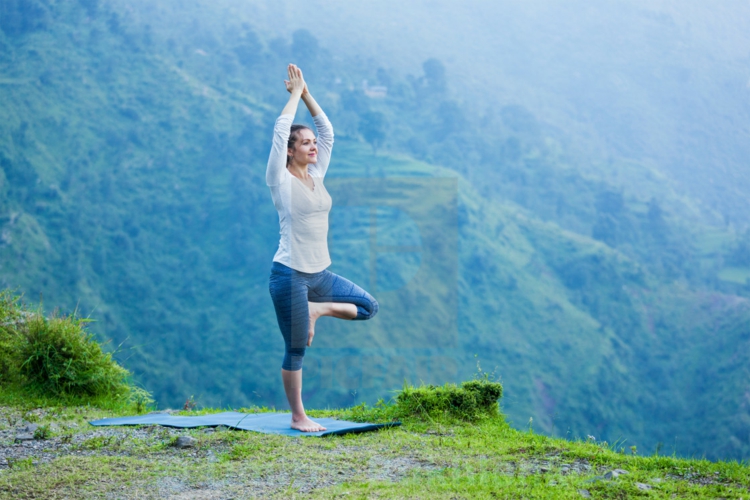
<point x="305" y="148"/>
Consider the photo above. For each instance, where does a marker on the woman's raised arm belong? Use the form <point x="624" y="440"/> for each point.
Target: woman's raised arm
<point x="277" y="160"/>
<point x="325" y="134"/>
<point x="311" y="103"/>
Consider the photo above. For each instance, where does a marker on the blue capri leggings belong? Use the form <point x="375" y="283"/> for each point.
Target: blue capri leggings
<point x="291" y="290"/>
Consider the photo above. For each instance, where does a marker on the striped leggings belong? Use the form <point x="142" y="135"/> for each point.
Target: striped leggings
<point x="291" y="290"/>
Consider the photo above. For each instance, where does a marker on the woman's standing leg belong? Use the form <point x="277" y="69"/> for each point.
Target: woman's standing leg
<point x="289" y="290"/>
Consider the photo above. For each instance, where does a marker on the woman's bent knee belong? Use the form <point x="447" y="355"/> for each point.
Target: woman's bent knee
<point x="368" y="309"/>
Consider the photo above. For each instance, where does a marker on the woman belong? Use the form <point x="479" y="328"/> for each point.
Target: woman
<point x="301" y="288"/>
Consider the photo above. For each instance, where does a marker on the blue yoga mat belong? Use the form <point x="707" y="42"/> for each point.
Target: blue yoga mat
<point x="269" y="423"/>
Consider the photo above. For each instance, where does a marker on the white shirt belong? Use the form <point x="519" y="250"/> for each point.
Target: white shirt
<point x="303" y="212"/>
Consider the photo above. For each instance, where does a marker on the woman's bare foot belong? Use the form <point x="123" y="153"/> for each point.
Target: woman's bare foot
<point x="342" y="310"/>
<point x="306" y="425"/>
<point x="316" y="310"/>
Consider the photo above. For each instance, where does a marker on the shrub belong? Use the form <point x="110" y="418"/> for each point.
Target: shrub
<point x="56" y="357"/>
<point x="61" y="358"/>
<point x="471" y="401"/>
<point x="486" y="392"/>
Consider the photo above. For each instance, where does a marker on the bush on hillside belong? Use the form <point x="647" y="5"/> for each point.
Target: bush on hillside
<point x="56" y="356"/>
<point x="471" y="401"/>
<point x="61" y="358"/>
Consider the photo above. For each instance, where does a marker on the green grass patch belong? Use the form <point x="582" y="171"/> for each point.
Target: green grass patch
<point x="471" y="401"/>
<point x="80" y="477"/>
<point x="50" y="361"/>
<point x="424" y="458"/>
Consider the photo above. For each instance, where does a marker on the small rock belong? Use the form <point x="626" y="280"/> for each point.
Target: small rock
<point x="544" y="469"/>
<point x="185" y="442"/>
<point x="24" y="437"/>
<point x="642" y="486"/>
<point x="584" y="493"/>
<point x="209" y="430"/>
<point x="30" y="428"/>
<point x="656" y="480"/>
<point x="613" y="474"/>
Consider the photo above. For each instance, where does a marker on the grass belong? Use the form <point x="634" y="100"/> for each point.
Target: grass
<point x="421" y="459"/>
<point x="53" y="361"/>
<point x="437" y="454"/>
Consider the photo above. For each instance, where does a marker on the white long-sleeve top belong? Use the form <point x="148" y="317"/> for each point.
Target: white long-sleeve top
<point x="303" y="213"/>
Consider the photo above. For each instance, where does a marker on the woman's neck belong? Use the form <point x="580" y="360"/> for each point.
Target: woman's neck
<point x="299" y="171"/>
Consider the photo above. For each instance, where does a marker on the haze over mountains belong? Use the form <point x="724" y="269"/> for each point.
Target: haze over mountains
<point x="662" y="82"/>
<point x="532" y="190"/>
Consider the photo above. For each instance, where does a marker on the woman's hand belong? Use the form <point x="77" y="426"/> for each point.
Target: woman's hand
<point x="296" y="86"/>
<point x="296" y="82"/>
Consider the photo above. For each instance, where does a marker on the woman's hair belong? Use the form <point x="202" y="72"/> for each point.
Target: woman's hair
<point x="293" y="138"/>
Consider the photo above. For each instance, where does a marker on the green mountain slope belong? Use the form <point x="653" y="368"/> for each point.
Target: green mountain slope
<point x="133" y="153"/>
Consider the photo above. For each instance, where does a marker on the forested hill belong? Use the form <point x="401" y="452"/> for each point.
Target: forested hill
<point x="133" y="144"/>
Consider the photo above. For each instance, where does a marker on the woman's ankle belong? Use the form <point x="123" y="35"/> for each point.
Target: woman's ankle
<point x="299" y="417"/>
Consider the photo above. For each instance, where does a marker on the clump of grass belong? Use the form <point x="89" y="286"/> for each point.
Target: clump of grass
<point x="97" y="442"/>
<point x="57" y="358"/>
<point x="470" y="401"/>
<point x="43" y="432"/>
<point x="61" y="358"/>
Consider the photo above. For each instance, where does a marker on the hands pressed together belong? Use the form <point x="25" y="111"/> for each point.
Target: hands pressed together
<point x="296" y="82"/>
<point x="298" y="88"/>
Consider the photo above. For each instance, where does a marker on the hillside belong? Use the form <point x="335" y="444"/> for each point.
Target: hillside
<point x="133" y="151"/>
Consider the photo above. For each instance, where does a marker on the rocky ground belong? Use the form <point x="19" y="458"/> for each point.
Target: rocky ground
<point x="72" y="459"/>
